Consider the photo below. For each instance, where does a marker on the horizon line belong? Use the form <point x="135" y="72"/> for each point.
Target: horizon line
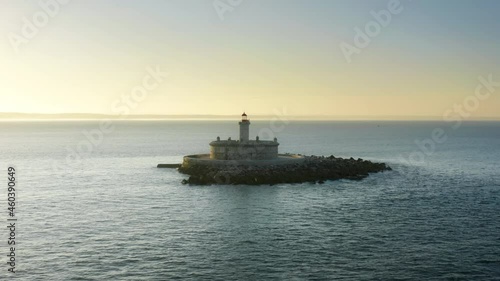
<point x="15" y="116"/>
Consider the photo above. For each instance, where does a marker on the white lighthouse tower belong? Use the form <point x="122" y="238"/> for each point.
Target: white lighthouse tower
<point x="244" y="128"/>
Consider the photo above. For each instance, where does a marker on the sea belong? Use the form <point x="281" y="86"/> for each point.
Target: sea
<point x="91" y="204"/>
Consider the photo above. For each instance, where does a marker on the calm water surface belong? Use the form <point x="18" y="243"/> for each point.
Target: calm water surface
<point x="113" y="216"/>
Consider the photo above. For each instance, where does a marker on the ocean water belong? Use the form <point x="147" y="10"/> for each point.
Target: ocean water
<point x="112" y="215"/>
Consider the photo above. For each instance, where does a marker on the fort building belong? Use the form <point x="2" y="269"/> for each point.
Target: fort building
<point x="244" y="148"/>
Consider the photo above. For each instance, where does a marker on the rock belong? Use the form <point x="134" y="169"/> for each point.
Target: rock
<point x="315" y="169"/>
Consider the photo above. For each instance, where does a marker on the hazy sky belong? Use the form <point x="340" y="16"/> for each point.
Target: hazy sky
<point x="262" y="57"/>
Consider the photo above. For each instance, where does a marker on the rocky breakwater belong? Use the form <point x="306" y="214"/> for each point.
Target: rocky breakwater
<point x="314" y="169"/>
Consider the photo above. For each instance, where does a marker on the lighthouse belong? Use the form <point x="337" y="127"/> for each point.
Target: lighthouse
<point x="244" y="128"/>
<point x="244" y="148"/>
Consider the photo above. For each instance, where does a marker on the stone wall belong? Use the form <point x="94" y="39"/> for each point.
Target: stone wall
<point x="235" y="150"/>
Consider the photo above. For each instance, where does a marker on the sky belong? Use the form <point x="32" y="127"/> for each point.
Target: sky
<point x="223" y="57"/>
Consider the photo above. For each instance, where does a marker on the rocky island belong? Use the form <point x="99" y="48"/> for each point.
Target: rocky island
<point x="255" y="162"/>
<point x="313" y="169"/>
